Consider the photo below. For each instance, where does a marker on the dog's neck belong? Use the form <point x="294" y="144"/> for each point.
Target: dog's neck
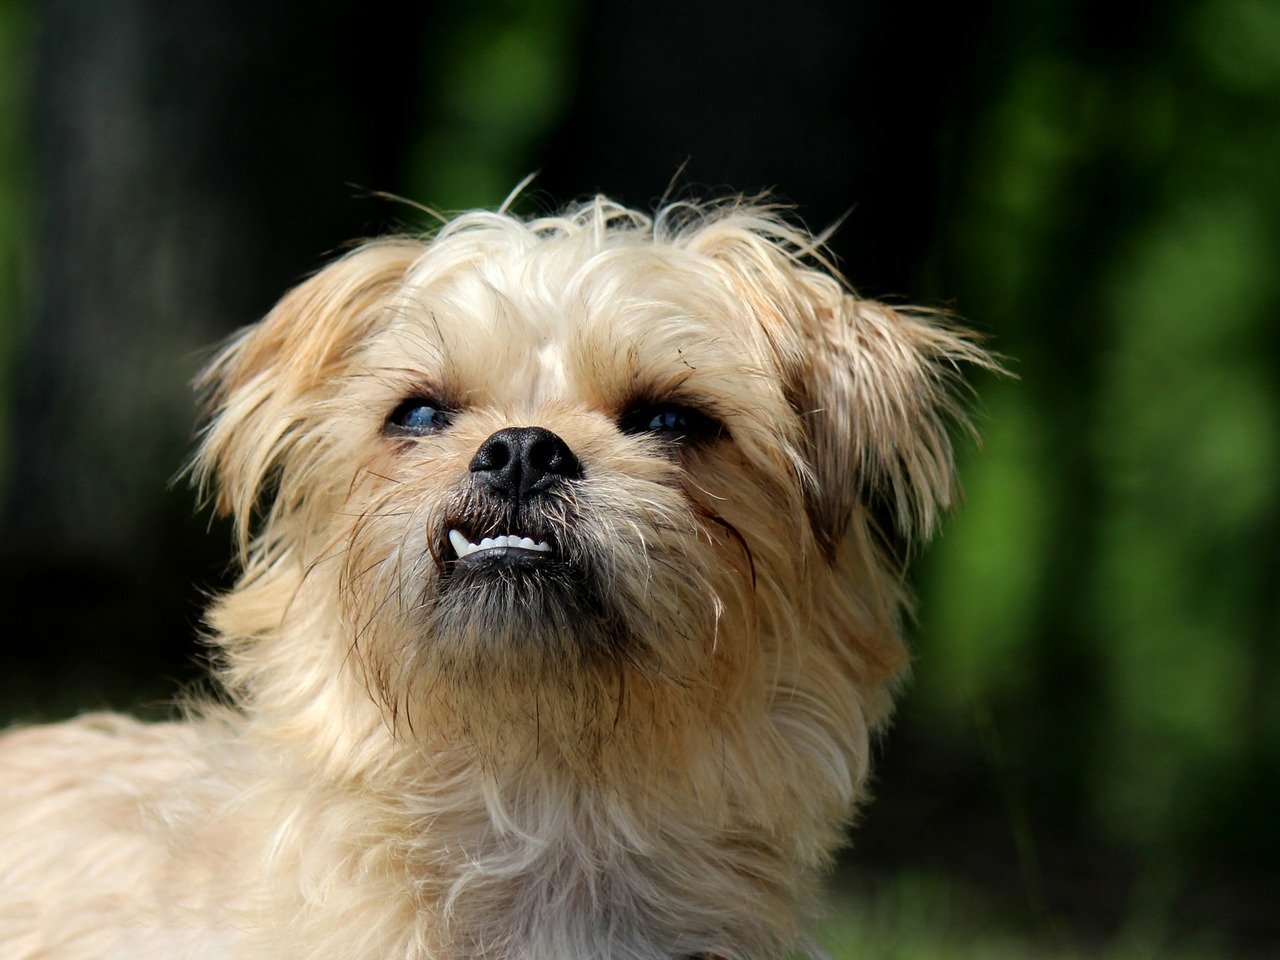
<point x="529" y="855"/>
<point x="545" y="866"/>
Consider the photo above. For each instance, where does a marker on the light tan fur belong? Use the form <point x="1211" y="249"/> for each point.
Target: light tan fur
<point x="658" y="768"/>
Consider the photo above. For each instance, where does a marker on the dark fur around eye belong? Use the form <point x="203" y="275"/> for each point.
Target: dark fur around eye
<point x="676" y="422"/>
<point x="417" y="417"/>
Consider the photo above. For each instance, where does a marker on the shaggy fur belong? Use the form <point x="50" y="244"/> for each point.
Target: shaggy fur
<point x="642" y="742"/>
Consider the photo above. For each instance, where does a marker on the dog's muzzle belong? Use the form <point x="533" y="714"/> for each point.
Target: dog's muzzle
<point x="514" y="473"/>
<point x="524" y="573"/>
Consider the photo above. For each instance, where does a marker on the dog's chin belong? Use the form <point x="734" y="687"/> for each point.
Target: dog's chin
<point x="524" y="652"/>
<point x="538" y="611"/>
<point x="535" y="625"/>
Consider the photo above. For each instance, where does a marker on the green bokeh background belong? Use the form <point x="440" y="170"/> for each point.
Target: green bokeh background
<point x="1098" y="637"/>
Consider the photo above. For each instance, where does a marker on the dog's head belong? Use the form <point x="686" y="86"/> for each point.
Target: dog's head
<point x="581" y="480"/>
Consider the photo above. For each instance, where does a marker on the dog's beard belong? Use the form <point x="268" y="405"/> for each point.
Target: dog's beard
<point x="570" y="650"/>
<point x="517" y="610"/>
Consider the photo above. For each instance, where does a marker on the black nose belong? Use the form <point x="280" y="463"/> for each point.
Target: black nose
<point x="519" y="461"/>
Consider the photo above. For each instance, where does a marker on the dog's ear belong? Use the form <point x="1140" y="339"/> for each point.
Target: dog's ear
<point x="878" y="390"/>
<point x="258" y="389"/>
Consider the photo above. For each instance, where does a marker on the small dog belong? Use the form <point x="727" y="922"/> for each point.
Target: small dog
<point x="566" y="612"/>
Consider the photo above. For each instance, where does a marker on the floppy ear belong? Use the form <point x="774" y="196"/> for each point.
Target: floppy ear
<point x="876" y="388"/>
<point x="878" y="392"/>
<point x="258" y="389"/>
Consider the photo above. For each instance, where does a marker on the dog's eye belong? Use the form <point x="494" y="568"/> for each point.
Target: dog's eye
<point x="671" y="421"/>
<point x="418" y="416"/>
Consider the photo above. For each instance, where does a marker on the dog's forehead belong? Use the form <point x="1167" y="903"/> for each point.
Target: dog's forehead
<point x="551" y="370"/>
<point x="592" y="330"/>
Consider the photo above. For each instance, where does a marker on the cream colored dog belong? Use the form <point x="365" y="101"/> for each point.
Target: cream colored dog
<point x="563" y="622"/>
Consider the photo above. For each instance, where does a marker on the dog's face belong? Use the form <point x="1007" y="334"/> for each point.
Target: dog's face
<point x="582" y="481"/>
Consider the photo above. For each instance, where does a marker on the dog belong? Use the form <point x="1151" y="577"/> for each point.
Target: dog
<point x="568" y="607"/>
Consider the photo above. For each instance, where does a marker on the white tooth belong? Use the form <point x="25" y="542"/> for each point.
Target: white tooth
<point x="464" y="547"/>
<point x="461" y="546"/>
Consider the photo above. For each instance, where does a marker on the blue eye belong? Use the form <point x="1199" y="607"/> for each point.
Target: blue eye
<point x="419" y="416"/>
<point x="671" y="421"/>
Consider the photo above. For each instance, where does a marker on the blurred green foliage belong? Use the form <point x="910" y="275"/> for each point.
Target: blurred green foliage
<point x="501" y="77"/>
<point x="923" y="916"/>
<point x="1111" y="590"/>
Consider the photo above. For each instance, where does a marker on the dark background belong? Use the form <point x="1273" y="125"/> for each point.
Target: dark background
<point x="1089" y="758"/>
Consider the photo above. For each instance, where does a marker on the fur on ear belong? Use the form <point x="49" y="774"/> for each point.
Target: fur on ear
<point x="257" y="390"/>
<point x="877" y="388"/>
<point x="879" y="391"/>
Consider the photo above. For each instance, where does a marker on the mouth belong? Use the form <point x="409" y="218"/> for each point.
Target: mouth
<point x="521" y="587"/>
<point x="507" y="546"/>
